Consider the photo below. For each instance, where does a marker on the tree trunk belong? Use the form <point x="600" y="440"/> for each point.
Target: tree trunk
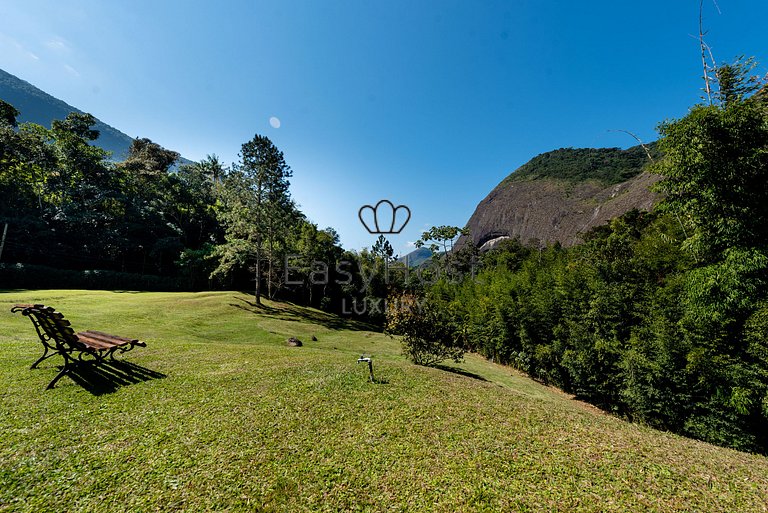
<point x="258" y="271"/>
<point x="269" y="264"/>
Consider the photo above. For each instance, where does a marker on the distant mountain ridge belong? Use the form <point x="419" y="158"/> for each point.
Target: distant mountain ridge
<point x="39" y="107"/>
<point x="560" y="195"/>
<point x="416" y="257"/>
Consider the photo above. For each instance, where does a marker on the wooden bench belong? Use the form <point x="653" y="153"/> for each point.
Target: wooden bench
<point x="58" y="337"/>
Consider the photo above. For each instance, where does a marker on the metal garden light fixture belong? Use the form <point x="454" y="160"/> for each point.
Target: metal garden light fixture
<point x="369" y="361"/>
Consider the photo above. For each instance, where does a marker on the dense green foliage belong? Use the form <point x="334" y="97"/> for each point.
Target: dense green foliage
<point x="660" y="317"/>
<point x="612" y="322"/>
<point x="606" y="165"/>
<point x="68" y="206"/>
<point x="28" y="276"/>
<point x="144" y="223"/>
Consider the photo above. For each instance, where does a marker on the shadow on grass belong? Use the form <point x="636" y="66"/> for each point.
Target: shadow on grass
<point x="460" y="372"/>
<point x="292" y="312"/>
<point x="108" y="377"/>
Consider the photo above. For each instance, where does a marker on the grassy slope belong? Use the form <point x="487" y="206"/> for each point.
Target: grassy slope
<point x="242" y="422"/>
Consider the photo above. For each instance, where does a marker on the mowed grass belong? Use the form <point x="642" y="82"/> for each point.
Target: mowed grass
<point x="241" y="422"/>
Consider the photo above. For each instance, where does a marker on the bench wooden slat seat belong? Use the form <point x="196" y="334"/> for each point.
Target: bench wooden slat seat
<point x="93" y="343"/>
<point x="109" y="338"/>
<point x="58" y="337"/>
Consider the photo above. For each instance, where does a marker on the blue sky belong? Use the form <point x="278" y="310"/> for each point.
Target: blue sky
<point x="427" y="104"/>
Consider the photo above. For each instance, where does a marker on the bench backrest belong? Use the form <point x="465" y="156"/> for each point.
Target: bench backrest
<point x="50" y="325"/>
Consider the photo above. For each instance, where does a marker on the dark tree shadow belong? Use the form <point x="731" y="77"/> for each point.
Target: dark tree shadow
<point x="461" y="372"/>
<point x="293" y="312"/>
<point x="108" y="377"/>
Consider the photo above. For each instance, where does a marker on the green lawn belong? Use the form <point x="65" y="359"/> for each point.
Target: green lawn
<point x="240" y="422"/>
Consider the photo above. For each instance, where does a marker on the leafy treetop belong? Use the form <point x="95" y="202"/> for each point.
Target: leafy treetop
<point x="606" y="165"/>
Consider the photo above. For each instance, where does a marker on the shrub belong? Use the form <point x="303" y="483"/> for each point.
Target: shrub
<point x="427" y="332"/>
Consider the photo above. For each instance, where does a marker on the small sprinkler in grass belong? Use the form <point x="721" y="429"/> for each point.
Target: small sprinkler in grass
<point x="369" y="361"/>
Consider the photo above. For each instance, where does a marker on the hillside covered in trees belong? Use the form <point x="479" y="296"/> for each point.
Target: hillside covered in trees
<point x="37" y="106"/>
<point x="607" y="166"/>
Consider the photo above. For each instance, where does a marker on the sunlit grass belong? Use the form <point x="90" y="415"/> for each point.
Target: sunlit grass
<point x="241" y="422"/>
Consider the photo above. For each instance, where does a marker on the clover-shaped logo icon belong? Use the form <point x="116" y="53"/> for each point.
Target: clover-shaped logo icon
<point x="383" y="217"/>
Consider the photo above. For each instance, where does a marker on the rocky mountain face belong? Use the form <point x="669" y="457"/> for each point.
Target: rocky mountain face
<point x="558" y="196"/>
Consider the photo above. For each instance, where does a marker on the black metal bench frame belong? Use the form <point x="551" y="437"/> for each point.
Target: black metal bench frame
<point x="58" y="337"/>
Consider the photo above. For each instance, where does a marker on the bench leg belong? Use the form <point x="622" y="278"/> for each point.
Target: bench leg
<point x="69" y="363"/>
<point x="45" y="356"/>
<point x="60" y="375"/>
